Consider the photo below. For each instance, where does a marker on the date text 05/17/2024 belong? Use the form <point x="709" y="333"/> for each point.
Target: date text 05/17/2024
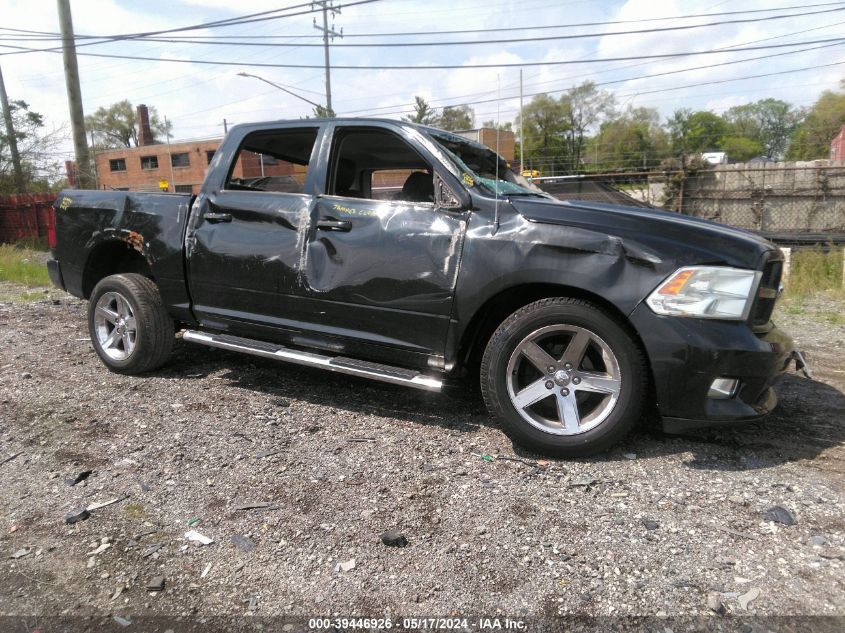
<point x="416" y="624"/>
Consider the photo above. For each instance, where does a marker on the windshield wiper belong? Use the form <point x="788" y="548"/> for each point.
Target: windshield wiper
<point x="526" y="193"/>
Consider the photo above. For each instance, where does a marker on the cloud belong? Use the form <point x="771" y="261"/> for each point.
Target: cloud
<point x="197" y="97"/>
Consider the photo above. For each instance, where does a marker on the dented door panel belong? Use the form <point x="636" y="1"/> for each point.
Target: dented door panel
<point x="244" y="268"/>
<point x="384" y="269"/>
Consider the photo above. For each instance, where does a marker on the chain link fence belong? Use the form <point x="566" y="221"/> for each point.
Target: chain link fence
<point x="798" y="202"/>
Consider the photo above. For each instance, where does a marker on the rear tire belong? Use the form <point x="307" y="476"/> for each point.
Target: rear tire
<point x="130" y="328"/>
<point x="564" y="377"/>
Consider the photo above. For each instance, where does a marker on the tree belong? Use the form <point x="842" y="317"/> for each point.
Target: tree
<point x="456" y="118"/>
<point x="811" y="139"/>
<point x="695" y="132"/>
<point x="768" y="122"/>
<point x="630" y="141"/>
<point x="585" y="106"/>
<point x="507" y="126"/>
<point x="741" y="148"/>
<point x="322" y="112"/>
<point x="116" y="125"/>
<point x="36" y="148"/>
<point x="424" y="114"/>
<point x="544" y="123"/>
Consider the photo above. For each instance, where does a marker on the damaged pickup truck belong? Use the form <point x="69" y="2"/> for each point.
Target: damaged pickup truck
<point x="405" y="254"/>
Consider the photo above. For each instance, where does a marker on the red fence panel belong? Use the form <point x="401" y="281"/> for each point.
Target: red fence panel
<point x="26" y="215"/>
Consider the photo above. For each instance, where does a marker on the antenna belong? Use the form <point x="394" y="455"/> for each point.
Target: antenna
<point x="496" y="187"/>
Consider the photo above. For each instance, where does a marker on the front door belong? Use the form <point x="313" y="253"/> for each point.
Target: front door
<point x="381" y="258"/>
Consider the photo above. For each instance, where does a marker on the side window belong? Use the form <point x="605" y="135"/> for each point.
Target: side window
<point x="376" y="164"/>
<point x="273" y="160"/>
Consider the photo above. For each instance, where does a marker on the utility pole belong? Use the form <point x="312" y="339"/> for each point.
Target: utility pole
<point x="521" y="128"/>
<point x="74" y="96"/>
<point x="225" y="127"/>
<point x="95" y="175"/>
<point x="327" y="6"/>
<point x="10" y="133"/>
<point x="169" y="154"/>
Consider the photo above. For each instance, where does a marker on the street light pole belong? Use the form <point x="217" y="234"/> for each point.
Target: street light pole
<point x="283" y="89"/>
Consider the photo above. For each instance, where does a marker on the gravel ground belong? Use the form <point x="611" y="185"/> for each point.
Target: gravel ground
<point x="661" y="525"/>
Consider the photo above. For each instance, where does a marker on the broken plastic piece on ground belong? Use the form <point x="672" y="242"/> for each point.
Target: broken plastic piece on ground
<point x="345" y="566"/>
<point x="196" y="537"/>
<point x="254" y="505"/>
<point x="156" y="584"/>
<point x="779" y="514"/>
<point x="394" y="538"/>
<point x="11" y="457"/>
<point x="77" y="515"/>
<point x="97" y="506"/>
<point x="745" y="598"/>
<point x="801" y="363"/>
<point x="80" y="477"/>
<point x="585" y="481"/>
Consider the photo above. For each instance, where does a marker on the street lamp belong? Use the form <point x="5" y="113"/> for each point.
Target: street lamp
<point x="282" y="88"/>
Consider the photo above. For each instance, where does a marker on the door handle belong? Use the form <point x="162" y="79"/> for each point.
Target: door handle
<point x="334" y="225"/>
<point x="217" y="217"/>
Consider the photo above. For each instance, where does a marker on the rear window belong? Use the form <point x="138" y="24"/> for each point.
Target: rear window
<point x="273" y="160"/>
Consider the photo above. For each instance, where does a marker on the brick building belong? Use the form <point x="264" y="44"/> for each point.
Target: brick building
<point x="837" y="145"/>
<point x="487" y="136"/>
<point x="182" y="166"/>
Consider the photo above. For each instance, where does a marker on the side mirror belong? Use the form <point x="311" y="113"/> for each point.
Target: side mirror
<point x="446" y="198"/>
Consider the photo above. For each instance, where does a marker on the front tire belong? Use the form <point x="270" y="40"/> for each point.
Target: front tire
<point x="564" y="377"/>
<point x="129" y="325"/>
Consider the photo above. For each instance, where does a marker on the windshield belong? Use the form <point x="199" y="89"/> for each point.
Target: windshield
<point x="479" y="167"/>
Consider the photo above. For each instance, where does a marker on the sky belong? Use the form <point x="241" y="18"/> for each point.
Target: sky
<point x="196" y="98"/>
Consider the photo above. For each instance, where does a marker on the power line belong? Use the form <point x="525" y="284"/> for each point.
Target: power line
<point x="218" y="23"/>
<point x="562" y="62"/>
<point x="604" y="83"/>
<point x="241" y="20"/>
<point x="496" y="41"/>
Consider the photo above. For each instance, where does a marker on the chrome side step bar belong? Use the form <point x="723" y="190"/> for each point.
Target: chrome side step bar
<point x="343" y="365"/>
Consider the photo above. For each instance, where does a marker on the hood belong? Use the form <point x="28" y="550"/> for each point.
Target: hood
<point x="684" y="238"/>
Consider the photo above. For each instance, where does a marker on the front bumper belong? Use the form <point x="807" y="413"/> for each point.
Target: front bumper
<point x="54" y="269"/>
<point x="688" y="354"/>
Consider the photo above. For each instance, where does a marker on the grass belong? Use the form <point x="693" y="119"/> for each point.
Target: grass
<point x="135" y="511"/>
<point x="22" y="266"/>
<point x="814" y="271"/>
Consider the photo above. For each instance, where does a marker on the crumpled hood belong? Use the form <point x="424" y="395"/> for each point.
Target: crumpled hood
<point x="681" y="237"/>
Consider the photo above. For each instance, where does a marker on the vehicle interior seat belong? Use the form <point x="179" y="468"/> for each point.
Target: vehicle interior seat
<point x="418" y="187"/>
<point x="344" y="180"/>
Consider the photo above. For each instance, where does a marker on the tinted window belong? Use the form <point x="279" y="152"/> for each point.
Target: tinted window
<point x="379" y="165"/>
<point x="209" y="155"/>
<point x="180" y="160"/>
<point x="273" y="160"/>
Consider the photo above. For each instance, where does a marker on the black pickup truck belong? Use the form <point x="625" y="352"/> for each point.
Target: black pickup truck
<point x="410" y="255"/>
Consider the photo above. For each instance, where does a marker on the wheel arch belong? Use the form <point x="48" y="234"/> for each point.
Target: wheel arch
<point x="112" y="257"/>
<point x="498" y="307"/>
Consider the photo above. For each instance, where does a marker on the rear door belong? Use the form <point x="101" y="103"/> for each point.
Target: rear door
<point x="246" y="238"/>
<point x="381" y="258"/>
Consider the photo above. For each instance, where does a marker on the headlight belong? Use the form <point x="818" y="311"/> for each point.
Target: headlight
<point x="706" y="292"/>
